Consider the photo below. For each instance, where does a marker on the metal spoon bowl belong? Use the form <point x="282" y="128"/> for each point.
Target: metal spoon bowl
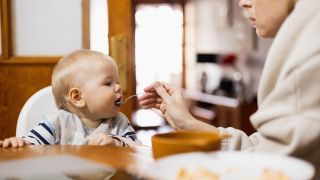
<point x="119" y="103"/>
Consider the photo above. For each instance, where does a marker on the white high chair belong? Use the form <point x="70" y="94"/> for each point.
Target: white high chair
<point x="38" y="105"/>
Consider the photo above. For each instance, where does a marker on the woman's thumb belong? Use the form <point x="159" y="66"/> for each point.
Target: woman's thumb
<point x="161" y="91"/>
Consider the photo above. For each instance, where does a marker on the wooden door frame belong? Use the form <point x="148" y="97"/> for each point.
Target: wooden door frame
<point x="122" y="24"/>
<point x="6" y="47"/>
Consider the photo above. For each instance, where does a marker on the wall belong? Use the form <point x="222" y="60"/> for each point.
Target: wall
<point x="42" y="31"/>
<point x="46" y="27"/>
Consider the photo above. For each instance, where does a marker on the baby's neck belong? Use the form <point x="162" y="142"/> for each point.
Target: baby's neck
<point x="86" y="120"/>
<point x="90" y="123"/>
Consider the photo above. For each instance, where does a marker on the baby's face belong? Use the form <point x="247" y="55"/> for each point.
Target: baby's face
<point x="100" y="90"/>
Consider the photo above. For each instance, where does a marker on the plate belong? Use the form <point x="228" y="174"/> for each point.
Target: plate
<point x="230" y="165"/>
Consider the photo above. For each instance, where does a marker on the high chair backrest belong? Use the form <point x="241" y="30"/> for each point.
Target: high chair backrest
<point x="38" y="105"/>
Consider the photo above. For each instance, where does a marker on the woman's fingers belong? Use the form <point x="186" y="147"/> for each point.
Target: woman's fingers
<point x="162" y="108"/>
<point x="168" y="88"/>
<point x="149" y="88"/>
<point x="162" y="91"/>
<point x="148" y="95"/>
<point x="170" y="121"/>
<point x="148" y="102"/>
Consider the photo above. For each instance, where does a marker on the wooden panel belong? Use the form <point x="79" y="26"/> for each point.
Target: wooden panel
<point x="121" y="23"/>
<point x="5" y="29"/>
<point x="31" y="60"/>
<point x="17" y="83"/>
<point x="86" y="24"/>
<point x="159" y="1"/>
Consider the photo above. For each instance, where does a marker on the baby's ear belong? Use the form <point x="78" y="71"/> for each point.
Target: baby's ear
<point x="75" y="97"/>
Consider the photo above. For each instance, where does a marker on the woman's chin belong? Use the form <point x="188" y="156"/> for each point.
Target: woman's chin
<point x="263" y="33"/>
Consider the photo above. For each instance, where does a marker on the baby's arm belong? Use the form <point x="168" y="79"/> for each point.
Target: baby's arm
<point x="14" y="142"/>
<point x="126" y="136"/>
<point x="42" y="134"/>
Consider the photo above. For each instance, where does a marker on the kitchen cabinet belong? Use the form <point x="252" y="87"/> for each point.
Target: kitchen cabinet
<point x="221" y="111"/>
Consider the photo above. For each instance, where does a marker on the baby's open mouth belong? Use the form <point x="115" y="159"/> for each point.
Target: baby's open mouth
<point x="118" y="102"/>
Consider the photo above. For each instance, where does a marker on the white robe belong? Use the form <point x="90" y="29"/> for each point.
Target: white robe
<point x="288" y="116"/>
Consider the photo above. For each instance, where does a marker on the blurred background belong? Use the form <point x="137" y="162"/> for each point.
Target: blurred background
<point x="205" y="47"/>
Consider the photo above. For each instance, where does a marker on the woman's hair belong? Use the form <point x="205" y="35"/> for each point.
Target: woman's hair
<point x="65" y="73"/>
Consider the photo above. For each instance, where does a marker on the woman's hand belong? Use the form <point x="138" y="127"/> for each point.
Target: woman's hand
<point x="102" y="140"/>
<point x="169" y="101"/>
<point x="14" y="142"/>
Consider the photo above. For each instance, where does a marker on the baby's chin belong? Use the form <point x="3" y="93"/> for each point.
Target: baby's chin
<point x="114" y="114"/>
<point x="117" y="113"/>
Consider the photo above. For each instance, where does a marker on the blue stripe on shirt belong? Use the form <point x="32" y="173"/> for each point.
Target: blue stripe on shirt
<point x="34" y="138"/>
<point x="47" y="128"/>
<point x="129" y="133"/>
<point x="39" y="136"/>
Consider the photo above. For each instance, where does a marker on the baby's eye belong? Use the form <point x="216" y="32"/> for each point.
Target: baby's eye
<point x="108" y="84"/>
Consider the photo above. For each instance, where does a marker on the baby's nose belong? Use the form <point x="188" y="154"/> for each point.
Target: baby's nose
<point x="245" y="3"/>
<point x="118" y="88"/>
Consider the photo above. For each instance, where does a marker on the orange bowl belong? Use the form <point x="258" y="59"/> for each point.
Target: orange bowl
<point x="184" y="141"/>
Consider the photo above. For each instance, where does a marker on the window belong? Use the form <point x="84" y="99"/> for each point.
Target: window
<point x="158" y="44"/>
<point x="159" y="53"/>
<point x="99" y="26"/>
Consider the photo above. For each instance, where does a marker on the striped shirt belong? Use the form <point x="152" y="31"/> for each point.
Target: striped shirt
<point x="67" y="128"/>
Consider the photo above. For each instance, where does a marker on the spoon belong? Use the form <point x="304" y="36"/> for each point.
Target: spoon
<point x="119" y="103"/>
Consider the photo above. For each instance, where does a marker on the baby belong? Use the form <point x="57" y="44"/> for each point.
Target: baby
<point x="86" y="89"/>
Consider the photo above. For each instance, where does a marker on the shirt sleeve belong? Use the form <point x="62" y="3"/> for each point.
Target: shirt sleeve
<point x="43" y="133"/>
<point x="127" y="135"/>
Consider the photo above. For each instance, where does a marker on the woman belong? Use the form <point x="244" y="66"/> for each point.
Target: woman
<point x="288" y="116"/>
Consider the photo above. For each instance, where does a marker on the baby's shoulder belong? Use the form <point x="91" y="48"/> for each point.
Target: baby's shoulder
<point x="60" y="117"/>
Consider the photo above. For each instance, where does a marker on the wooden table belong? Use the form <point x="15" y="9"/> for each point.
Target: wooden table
<point x="124" y="159"/>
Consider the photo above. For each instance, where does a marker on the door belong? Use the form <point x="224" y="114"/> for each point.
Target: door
<point x="141" y="62"/>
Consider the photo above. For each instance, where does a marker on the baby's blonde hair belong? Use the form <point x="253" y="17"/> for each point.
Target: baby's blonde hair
<point x="64" y="75"/>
